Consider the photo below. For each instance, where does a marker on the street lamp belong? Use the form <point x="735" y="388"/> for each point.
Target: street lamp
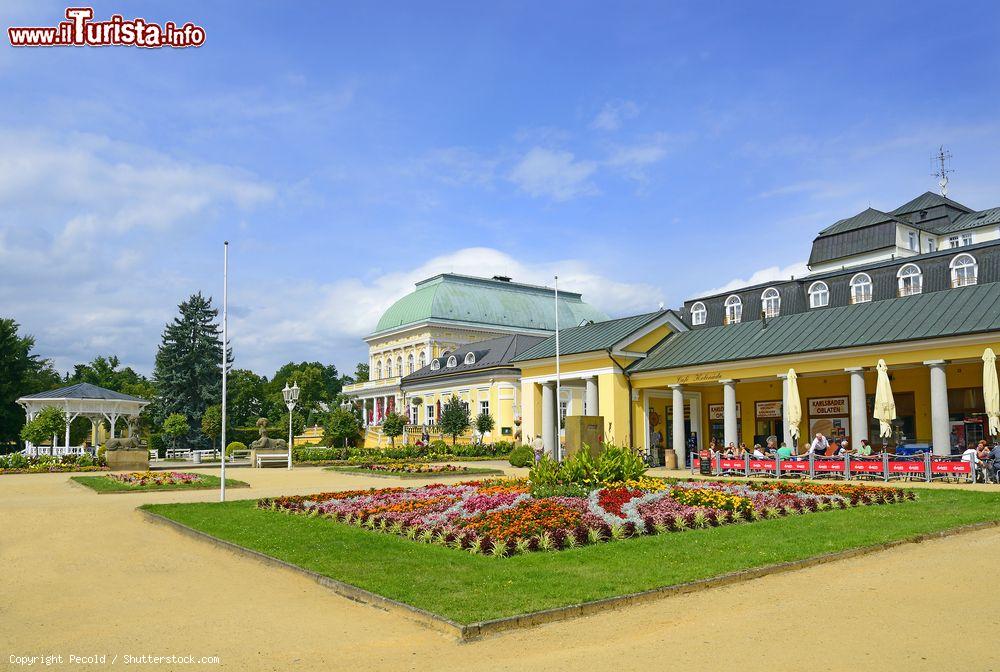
<point x="347" y="406"/>
<point x="291" y="395"/>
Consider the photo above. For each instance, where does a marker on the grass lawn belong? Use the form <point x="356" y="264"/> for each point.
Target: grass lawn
<point x="104" y="485"/>
<point x="471" y="588"/>
<point x="469" y="471"/>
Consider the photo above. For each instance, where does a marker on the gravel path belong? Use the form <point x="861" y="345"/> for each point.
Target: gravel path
<point x="87" y="575"/>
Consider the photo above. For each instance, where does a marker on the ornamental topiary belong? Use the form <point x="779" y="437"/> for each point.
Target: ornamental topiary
<point x="522" y="456"/>
<point x="233" y="447"/>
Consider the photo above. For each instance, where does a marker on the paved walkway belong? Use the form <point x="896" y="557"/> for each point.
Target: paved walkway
<point x="85" y="574"/>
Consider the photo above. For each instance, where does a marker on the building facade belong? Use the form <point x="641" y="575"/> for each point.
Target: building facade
<point x="444" y="313"/>
<point x="928" y="304"/>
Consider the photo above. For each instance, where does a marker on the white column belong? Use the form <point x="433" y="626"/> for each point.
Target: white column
<point x="69" y="420"/>
<point x="591" y="396"/>
<point x="550" y="433"/>
<point x="859" y="406"/>
<point x="786" y="431"/>
<point x="730" y="431"/>
<point x="364" y="412"/>
<point x="694" y="413"/>
<point x="677" y="424"/>
<point x="940" y="418"/>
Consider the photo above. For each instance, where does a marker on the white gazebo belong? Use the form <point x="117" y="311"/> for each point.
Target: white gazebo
<point x="82" y="400"/>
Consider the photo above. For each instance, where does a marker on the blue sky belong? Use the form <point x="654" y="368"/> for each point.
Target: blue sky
<point x="646" y="152"/>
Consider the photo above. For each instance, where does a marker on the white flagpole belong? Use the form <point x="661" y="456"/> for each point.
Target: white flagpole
<point x="557" y="449"/>
<point x="225" y="363"/>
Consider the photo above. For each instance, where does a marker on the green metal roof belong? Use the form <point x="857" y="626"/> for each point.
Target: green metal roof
<point x="859" y="221"/>
<point x="951" y="312"/>
<point x="589" y="337"/>
<point x="482" y="301"/>
<point x="926" y="201"/>
<point x="969" y="220"/>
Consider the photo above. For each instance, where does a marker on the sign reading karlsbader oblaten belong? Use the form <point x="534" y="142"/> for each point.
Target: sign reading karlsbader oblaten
<point x="827" y="406"/>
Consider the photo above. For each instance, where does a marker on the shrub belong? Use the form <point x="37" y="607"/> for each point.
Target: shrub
<point x="522" y="456"/>
<point x="234" y="446"/>
<point x="320" y="454"/>
<point x="157" y="443"/>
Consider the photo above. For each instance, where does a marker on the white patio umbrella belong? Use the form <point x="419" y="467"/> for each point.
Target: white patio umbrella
<point x="885" y="405"/>
<point x="991" y="391"/>
<point x="794" y="410"/>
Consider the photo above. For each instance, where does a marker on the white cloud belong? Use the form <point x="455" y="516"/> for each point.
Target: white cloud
<point x="333" y="317"/>
<point x="772" y="273"/>
<point x="613" y="113"/>
<point x="554" y="174"/>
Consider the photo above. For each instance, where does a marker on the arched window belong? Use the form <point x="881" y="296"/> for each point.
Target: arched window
<point x="734" y="310"/>
<point x="452" y="361"/>
<point x="964" y="271"/>
<point x="409" y="364"/>
<point x="399" y="366"/>
<point x="470" y="358"/>
<point x="911" y="280"/>
<point x="861" y="288"/>
<point x="423" y="359"/>
<point x="771" y="302"/>
<point x="819" y="294"/>
<point x="435" y="364"/>
<point x="378" y="370"/>
<point x="698" y="313"/>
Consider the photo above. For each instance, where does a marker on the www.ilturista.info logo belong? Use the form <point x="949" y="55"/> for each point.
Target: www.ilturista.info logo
<point x="81" y="31"/>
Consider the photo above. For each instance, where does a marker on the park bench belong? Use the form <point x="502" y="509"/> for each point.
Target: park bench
<point x="271" y="458"/>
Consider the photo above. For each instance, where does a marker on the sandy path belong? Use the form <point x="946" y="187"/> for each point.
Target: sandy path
<point x="86" y="574"/>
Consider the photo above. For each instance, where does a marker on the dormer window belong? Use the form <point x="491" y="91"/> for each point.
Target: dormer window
<point x="819" y="295"/>
<point x="435" y="364"/>
<point x="771" y="301"/>
<point x="734" y="310"/>
<point x="470" y="358"/>
<point x="911" y="280"/>
<point x="964" y="271"/>
<point x="861" y="288"/>
<point x="452" y="362"/>
<point x="698" y="314"/>
<point x="914" y="243"/>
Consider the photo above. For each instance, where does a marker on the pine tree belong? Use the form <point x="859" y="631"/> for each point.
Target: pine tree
<point x="188" y="370"/>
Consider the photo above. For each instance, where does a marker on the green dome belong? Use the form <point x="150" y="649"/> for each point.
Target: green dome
<point x="481" y="301"/>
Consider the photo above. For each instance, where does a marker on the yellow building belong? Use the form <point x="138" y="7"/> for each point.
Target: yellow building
<point x="716" y="369"/>
<point x="444" y="313"/>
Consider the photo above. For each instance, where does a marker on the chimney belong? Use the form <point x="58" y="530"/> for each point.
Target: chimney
<point x="501" y="278"/>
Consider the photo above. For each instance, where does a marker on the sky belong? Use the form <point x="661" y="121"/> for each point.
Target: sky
<point x="647" y="152"/>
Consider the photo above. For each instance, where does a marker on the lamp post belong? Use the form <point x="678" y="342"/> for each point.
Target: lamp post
<point x="291" y="395"/>
<point x="346" y="405"/>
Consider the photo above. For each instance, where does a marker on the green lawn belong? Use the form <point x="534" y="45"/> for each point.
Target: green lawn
<point x="470" y="588"/>
<point x="104" y="485"/>
<point x="470" y="471"/>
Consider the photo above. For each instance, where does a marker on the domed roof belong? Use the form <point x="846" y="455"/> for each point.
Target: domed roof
<point x="493" y="302"/>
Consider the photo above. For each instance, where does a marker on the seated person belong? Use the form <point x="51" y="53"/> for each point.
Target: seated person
<point x="841" y="450"/>
<point x="784" y="452"/>
<point x="757" y="452"/>
<point x="865" y="449"/>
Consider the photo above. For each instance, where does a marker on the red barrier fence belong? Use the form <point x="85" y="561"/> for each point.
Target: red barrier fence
<point x="885" y="466"/>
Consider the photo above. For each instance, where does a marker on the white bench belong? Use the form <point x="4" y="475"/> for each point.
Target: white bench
<point x="272" y="458"/>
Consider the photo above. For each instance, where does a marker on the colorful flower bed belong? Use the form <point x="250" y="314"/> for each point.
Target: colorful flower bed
<point x="413" y="468"/>
<point x="141" y="478"/>
<point x="501" y="517"/>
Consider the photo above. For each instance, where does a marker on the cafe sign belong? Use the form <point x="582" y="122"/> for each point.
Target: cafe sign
<point x="827" y="406"/>
<point x="717" y="411"/>
<point x="767" y="409"/>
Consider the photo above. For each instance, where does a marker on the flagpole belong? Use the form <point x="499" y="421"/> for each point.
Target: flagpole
<point x="556" y="448"/>
<point x="225" y="363"/>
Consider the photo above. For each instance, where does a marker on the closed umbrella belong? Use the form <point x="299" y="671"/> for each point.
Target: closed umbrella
<point x="991" y="390"/>
<point x="885" y="406"/>
<point x="794" y="410"/>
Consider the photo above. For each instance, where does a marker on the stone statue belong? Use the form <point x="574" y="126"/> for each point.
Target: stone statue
<point x="264" y="442"/>
<point x="130" y="442"/>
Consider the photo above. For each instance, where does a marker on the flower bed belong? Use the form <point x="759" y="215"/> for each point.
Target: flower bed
<point x="18" y="463"/>
<point x="143" y="478"/>
<point x="501" y="517"/>
<point x="412" y="469"/>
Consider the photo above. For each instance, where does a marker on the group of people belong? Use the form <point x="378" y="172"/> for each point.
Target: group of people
<point x="821" y="447"/>
<point x="986" y="459"/>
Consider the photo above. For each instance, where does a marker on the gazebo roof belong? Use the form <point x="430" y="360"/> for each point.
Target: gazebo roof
<point x="82" y="391"/>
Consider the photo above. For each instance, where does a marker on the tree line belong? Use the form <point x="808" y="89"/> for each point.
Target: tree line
<point x="185" y="388"/>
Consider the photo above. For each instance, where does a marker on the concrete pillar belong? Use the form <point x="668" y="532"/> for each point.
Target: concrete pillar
<point x="550" y="432"/>
<point x="940" y="418"/>
<point x="730" y="431"/>
<point x="592" y="400"/>
<point x="859" y="406"/>
<point x="677" y="425"/>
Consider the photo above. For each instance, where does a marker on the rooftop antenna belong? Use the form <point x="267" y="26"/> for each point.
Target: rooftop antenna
<point x="943" y="157"/>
